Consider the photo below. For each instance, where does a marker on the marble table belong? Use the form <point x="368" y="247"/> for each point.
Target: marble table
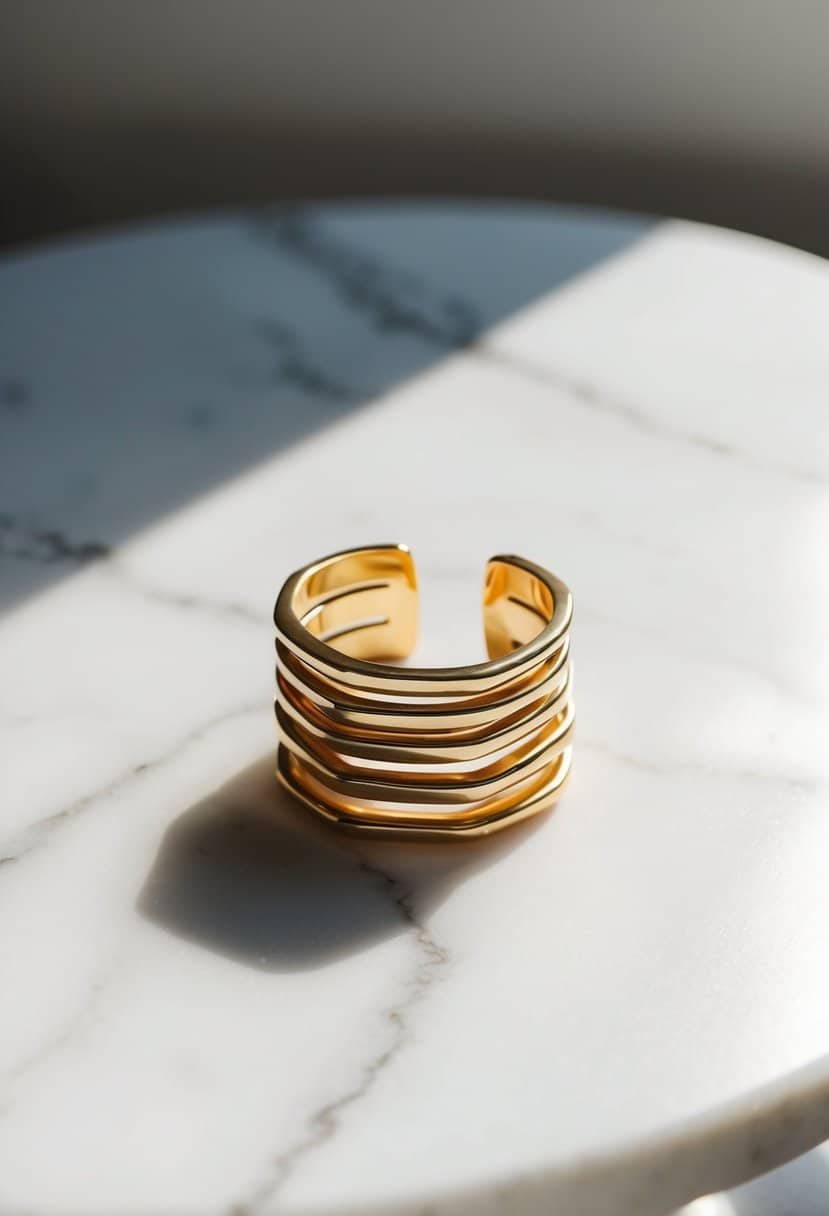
<point x="210" y="1003"/>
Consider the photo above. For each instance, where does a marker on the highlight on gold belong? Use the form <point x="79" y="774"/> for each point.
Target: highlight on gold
<point x="421" y="752"/>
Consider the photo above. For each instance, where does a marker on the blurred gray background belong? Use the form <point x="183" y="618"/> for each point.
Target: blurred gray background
<point x="716" y="110"/>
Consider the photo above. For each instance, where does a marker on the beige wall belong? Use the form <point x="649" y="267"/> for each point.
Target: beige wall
<point x="696" y="107"/>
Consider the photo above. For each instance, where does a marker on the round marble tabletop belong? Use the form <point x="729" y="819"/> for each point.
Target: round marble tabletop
<point x="211" y="1003"/>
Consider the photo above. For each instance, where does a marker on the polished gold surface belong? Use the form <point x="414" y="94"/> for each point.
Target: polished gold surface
<point x="421" y="752"/>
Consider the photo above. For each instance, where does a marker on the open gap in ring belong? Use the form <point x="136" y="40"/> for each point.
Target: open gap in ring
<point x="332" y="596"/>
<point x="539" y="612"/>
<point x="364" y="604"/>
<point x="342" y="631"/>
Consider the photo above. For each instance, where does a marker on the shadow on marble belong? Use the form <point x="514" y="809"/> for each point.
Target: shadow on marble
<point x="194" y="351"/>
<point x="800" y="1188"/>
<point x="249" y="874"/>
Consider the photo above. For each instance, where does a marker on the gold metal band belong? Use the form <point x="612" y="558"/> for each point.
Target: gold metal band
<point x="421" y="752"/>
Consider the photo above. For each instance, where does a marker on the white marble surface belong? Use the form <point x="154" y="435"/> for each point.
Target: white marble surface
<point x="211" y="1004"/>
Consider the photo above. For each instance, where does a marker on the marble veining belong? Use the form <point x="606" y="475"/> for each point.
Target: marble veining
<point x="294" y="365"/>
<point x="45" y="545"/>
<point x="390" y="297"/>
<point x="594" y="398"/>
<point x="228" y="609"/>
<point x="15" y="395"/>
<point x="430" y="958"/>
<point x="274" y="1018"/>
<point x="37" y="833"/>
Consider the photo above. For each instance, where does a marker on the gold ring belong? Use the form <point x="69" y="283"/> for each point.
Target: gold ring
<point x="421" y="752"/>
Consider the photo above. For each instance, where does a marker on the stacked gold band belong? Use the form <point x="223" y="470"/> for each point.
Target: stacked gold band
<point x="421" y="752"/>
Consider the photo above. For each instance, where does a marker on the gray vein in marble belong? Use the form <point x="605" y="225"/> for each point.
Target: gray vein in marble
<point x="594" y="522"/>
<point x="51" y="546"/>
<point x="394" y="300"/>
<point x="15" y="395"/>
<point x="674" y="767"/>
<point x="597" y="399"/>
<point x="431" y="957"/>
<point x="81" y="1017"/>
<point x="229" y="609"/>
<point x="15" y="721"/>
<point x="199" y="418"/>
<point x="294" y="365"/>
<point x="36" y="834"/>
<point x="654" y="634"/>
<point x="46" y="546"/>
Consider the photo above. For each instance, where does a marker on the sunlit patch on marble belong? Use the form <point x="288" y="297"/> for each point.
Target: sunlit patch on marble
<point x="709" y="1205"/>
